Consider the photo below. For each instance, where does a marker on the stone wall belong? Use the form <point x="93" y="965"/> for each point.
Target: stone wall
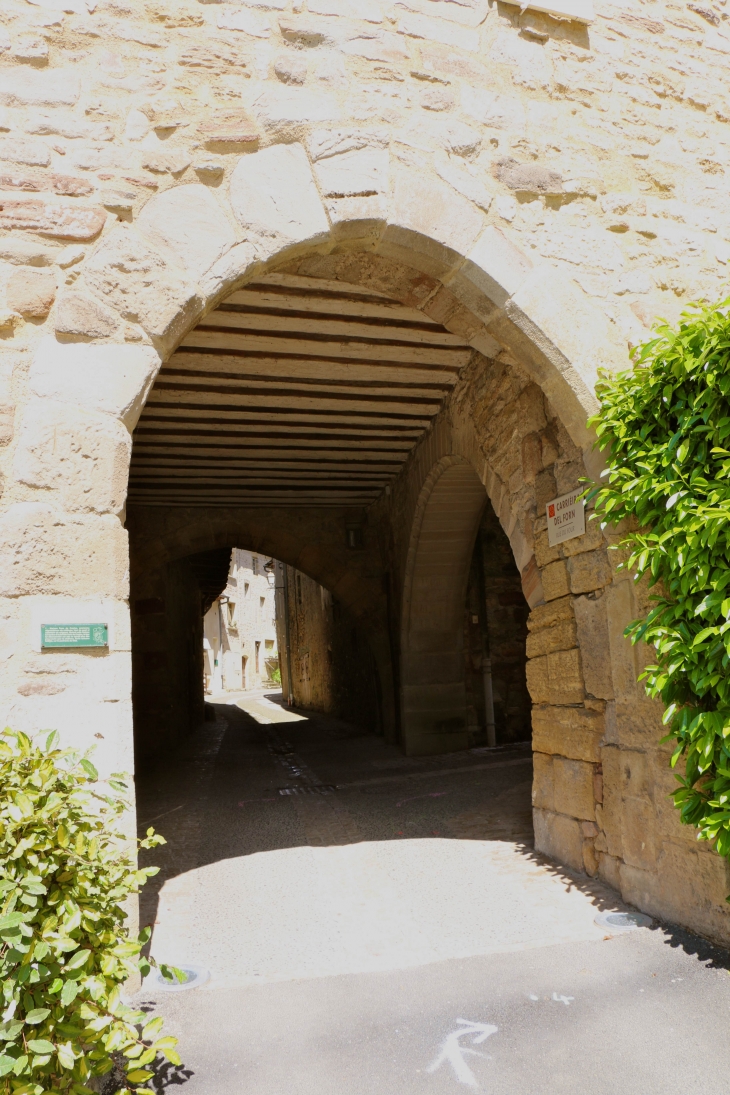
<point x="542" y="186"/>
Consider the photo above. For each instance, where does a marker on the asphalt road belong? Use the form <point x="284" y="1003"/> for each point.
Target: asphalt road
<point x="385" y="926"/>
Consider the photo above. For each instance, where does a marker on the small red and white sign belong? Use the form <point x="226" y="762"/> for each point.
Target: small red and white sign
<point x="566" y="518"/>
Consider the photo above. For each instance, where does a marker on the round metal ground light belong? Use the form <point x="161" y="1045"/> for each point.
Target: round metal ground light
<point x="195" y="976"/>
<point x="623" y="921"/>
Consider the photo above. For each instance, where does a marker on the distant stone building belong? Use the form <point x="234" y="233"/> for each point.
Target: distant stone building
<point x="239" y="629"/>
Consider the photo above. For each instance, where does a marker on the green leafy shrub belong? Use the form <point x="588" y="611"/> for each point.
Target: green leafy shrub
<point x="666" y="429"/>
<point x="65" y="952"/>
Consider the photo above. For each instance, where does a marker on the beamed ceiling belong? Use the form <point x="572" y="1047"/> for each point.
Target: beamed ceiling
<point x="294" y="391"/>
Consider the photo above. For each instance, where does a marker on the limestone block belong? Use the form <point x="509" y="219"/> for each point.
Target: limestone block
<point x="609" y="871"/>
<point x="595" y="651"/>
<point x="543" y="791"/>
<point x="279" y="109"/>
<point x="555" y="581"/>
<point x="34" y="153"/>
<point x="494" y="269"/>
<point x="7" y="423"/>
<point x="548" y="615"/>
<point x="538" y="684"/>
<point x="172" y="162"/>
<point x="82" y="455"/>
<point x="620" y="611"/>
<point x="42" y="551"/>
<point x="531" y="178"/>
<point x="188" y="223"/>
<point x="465" y="178"/>
<point x="638" y="833"/>
<point x="79" y="314"/>
<point x="31" y="292"/>
<point x="142" y="285"/>
<point x="575" y="337"/>
<point x="356" y="172"/>
<point x="559" y="837"/>
<point x="573" y="784"/>
<point x="565" y="677"/>
<point x="589" y="571"/>
<point x="65" y="222"/>
<point x="429" y="225"/>
<point x="25" y="252"/>
<point x="110" y="378"/>
<point x="636" y="781"/>
<point x="492" y="109"/>
<point x="20" y="87"/>
<point x="592" y="538"/>
<point x="275" y="199"/>
<point x="231" y="268"/>
<point x="611" y="811"/>
<point x="572" y="732"/>
<point x="545" y="554"/>
<point x="560" y="636"/>
<point x="65" y="185"/>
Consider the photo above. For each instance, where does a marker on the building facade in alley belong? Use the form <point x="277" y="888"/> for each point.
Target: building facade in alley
<point x="239" y="629"/>
<point x="332" y="279"/>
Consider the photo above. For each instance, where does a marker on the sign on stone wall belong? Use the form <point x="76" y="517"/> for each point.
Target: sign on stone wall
<point x="566" y="518"/>
<point x="55" y="635"/>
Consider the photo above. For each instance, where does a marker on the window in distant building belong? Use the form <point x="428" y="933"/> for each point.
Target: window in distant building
<point x="269" y="643"/>
<point x="255" y="564"/>
<point x="258" y="657"/>
<point x="231" y="606"/>
<point x="246" y="588"/>
<point x="262" y="602"/>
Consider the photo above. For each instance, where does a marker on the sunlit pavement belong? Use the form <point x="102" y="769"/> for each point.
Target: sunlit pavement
<point x="371" y="923"/>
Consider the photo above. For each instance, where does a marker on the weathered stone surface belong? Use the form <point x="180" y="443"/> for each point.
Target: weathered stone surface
<point x="64" y="185"/>
<point x="611" y="810"/>
<point x="565" y="677"/>
<point x="66" y="222"/>
<point x="31" y="292"/>
<point x="571" y="732"/>
<point x="173" y="162"/>
<point x="573" y="783"/>
<point x="141" y="284"/>
<point x="187" y="223"/>
<point x="543" y="789"/>
<point x="429" y="225"/>
<point x="25" y="252"/>
<point x="34" y="153"/>
<point x="638" y="833"/>
<point x="81" y="455"/>
<point x="114" y="379"/>
<point x="356" y="172"/>
<point x="590" y="616"/>
<point x="43" y="552"/>
<point x="275" y="199"/>
<point x="494" y="269"/>
<point x="78" y="314"/>
<point x="538" y="682"/>
<point x="555" y="582"/>
<point x="560" y="636"/>
<point x="589" y="571"/>
<point x="528" y="177"/>
<point x="19" y="87"/>
<point x="559" y="837"/>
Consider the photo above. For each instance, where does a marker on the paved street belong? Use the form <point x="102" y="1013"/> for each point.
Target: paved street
<point x="372" y="923"/>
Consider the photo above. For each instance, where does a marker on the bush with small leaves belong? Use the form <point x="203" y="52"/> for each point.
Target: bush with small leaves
<point x="66" y="871"/>
<point x="666" y="429"/>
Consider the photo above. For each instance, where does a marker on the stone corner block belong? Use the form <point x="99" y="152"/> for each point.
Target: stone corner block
<point x="111" y="378"/>
<point x="494" y="267"/>
<point x="559" y="837"/>
<point x="31" y="292"/>
<point x="143" y="286"/>
<point x="79" y="314"/>
<point x="187" y="223"/>
<point x="430" y="226"/>
<point x="276" y="201"/>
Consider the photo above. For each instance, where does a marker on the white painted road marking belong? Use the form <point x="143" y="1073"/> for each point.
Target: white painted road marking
<point x="452" y="1052"/>
<point x="563" y="999"/>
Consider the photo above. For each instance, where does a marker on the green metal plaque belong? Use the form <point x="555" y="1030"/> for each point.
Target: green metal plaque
<point x="54" y="635"/>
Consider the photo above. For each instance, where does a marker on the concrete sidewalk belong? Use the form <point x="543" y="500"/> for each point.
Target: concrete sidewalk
<point x="353" y="907"/>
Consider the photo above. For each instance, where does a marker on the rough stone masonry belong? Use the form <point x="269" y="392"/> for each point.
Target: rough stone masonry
<point x="543" y="180"/>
